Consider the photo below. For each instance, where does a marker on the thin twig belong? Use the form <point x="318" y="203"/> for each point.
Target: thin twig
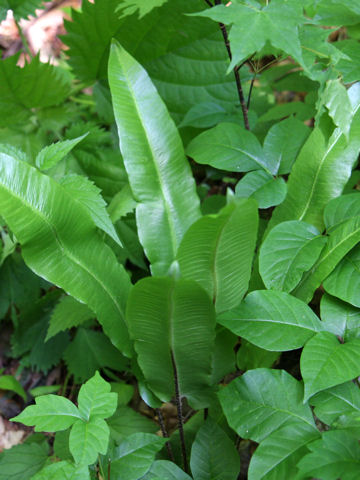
<point x="179" y="415"/>
<point x="23" y="39"/>
<point x="165" y="434"/>
<point x="250" y="91"/>
<point x="236" y="73"/>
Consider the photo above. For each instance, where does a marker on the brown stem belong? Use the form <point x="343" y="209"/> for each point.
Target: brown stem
<point x="236" y="73"/>
<point x="179" y="415"/>
<point x="165" y="434"/>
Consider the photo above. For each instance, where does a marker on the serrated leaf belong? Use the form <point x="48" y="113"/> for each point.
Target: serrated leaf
<point x="8" y="382"/>
<point x="95" y="399"/>
<point x="159" y="175"/>
<point x="20" y="8"/>
<point x="283" y="142"/>
<point x="230" y="147"/>
<point x="335" y="455"/>
<point x="22" y="89"/>
<point x="130" y="6"/>
<point x="122" y="204"/>
<point x="321" y="171"/>
<point x="276" y="457"/>
<point x="87" y="194"/>
<point x="88" y="439"/>
<point x="21" y="462"/>
<point x="339" y="317"/>
<point x="52" y="154"/>
<point x="63" y="471"/>
<point x="68" y="313"/>
<point x="290" y="249"/>
<point x="173" y="326"/>
<point x="165" y="470"/>
<point x="210" y="252"/>
<point x="340" y="209"/>
<point x="272" y="320"/>
<point x="60" y="229"/>
<point x="276" y="23"/>
<point x="135" y="455"/>
<point x="50" y="414"/>
<point x="344" y="281"/>
<point x="325" y="362"/>
<point x="90" y="351"/>
<point x="213" y="454"/>
<point x="261" y="401"/>
<point x="262" y="187"/>
<point x="336" y="401"/>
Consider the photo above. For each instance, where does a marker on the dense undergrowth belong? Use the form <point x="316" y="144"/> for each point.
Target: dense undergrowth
<point x="180" y="227"/>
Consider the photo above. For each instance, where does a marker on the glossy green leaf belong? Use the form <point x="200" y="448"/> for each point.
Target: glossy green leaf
<point x="340" y="241"/>
<point x="336" y="100"/>
<point x="276" y="23"/>
<point x="341" y="209"/>
<point x="8" y="382"/>
<point x="302" y="111"/>
<point x="122" y="204"/>
<point x="217" y="251"/>
<point x="50" y="414"/>
<point x="159" y="175"/>
<point x="60" y="243"/>
<point x="276" y="457"/>
<point x="340" y="318"/>
<point x="290" y="249"/>
<point x="166" y="471"/>
<point x="204" y="115"/>
<point x="335" y="455"/>
<point x="88" y="439"/>
<point x="229" y="146"/>
<point x="272" y="320"/>
<point x="283" y="142"/>
<point x="87" y="194"/>
<point x="344" y="281"/>
<point x="321" y="171"/>
<point x="63" y="471"/>
<point x="261" y="401"/>
<point x="250" y="356"/>
<point x="54" y="153"/>
<point x="173" y="326"/>
<point x="124" y="391"/>
<point x="127" y="421"/>
<point x="135" y="455"/>
<point x="68" y="313"/>
<point x="325" y="362"/>
<point x="21" y="462"/>
<point x="89" y="351"/>
<point x="213" y="454"/>
<point x="336" y="401"/>
<point x="350" y="66"/>
<point x="130" y="6"/>
<point x="223" y="360"/>
<point x="262" y="187"/>
<point x="95" y="399"/>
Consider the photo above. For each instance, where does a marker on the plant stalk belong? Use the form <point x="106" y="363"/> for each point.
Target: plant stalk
<point x="236" y="73"/>
<point x="23" y="39"/>
<point x="179" y="415"/>
<point x="165" y="434"/>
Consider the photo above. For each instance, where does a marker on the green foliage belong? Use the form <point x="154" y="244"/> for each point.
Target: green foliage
<point x="226" y="281"/>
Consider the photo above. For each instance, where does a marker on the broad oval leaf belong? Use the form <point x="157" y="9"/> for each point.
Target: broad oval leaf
<point x="272" y="320"/>
<point x="217" y="251"/>
<point x="335" y="455"/>
<point x="325" y="362"/>
<point x="262" y="187"/>
<point x="321" y="171"/>
<point x="88" y="439"/>
<point x="341" y="209"/>
<point x="50" y="414"/>
<point x="59" y="243"/>
<point x="344" y="281"/>
<point x="229" y="146"/>
<point x="166" y="470"/>
<point x="277" y="456"/>
<point x="213" y="454"/>
<point x="159" y="175"/>
<point x="263" y="400"/>
<point x="340" y="318"/>
<point x="290" y="249"/>
<point x="96" y="400"/>
<point x="63" y="471"/>
<point x="173" y="327"/>
<point x="339" y="243"/>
